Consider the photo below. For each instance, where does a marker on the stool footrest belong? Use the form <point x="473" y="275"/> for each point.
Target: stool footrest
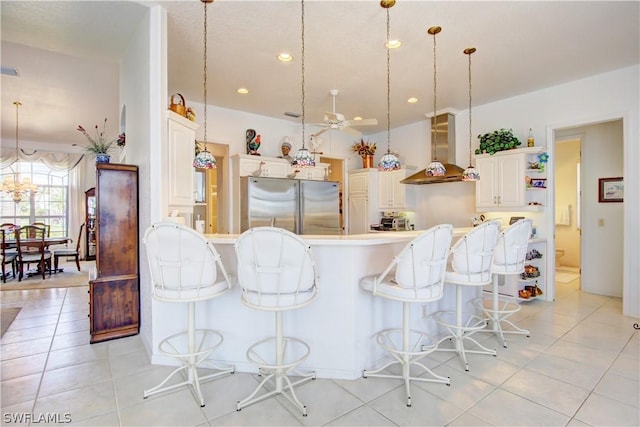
<point x="181" y="345"/>
<point x="497" y="313"/>
<point x="266" y="356"/>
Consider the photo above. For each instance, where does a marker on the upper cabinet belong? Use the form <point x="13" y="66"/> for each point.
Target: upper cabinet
<point x="508" y="182"/>
<point x="181" y="134"/>
<point x="271" y="167"/>
<point x="392" y="195"/>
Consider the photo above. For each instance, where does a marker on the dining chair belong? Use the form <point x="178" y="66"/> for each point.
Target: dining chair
<point x="32" y="249"/>
<point x="9" y="252"/>
<point x="68" y="252"/>
<point x="46" y="227"/>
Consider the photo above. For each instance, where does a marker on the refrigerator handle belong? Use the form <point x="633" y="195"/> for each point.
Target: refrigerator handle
<point x="273" y="221"/>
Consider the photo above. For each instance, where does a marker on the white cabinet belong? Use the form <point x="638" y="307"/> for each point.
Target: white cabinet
<point x="319" y="172"/>
<point x="393" y="195"/>
<point x="503" y="184"/>
<point x="181" y="134"/>
<point x="362" y="200"/>
<point x="247" y="165"/>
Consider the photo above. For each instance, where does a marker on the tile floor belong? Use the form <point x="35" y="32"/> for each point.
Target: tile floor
<point x="580" y="367"/>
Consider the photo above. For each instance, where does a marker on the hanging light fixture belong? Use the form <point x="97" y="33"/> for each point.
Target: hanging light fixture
<point x="204" y="159"/>
<point x="389" y="161"/>
<point x="303" y="157"/>
<point x="12" y="185"/>
<point x="470" y="173"/>
<point x="435" y="168"/>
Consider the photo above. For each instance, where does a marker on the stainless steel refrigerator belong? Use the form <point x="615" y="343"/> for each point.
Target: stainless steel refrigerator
<point x="298" y="205"/>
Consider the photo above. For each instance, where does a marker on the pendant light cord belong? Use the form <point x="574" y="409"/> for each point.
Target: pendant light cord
<point x="469" y="52"/>
<point x="435" y="116"/>
<point x="204" y="77"/>
<point x="388" y="87"/>
<point x="302" y="70"/>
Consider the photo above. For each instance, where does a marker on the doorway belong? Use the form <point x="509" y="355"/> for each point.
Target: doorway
<point x="600" y="224"/>
<point x="217" y="191"/>
<point x="567" y="204"/>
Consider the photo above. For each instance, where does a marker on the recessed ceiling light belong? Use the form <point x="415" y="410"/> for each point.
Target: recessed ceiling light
<point x="357" y="118"/>
<point x="285" y="57"/>
<point x="242" y="91"/>
<point x="393" y="44"/>
<point x="412" y="100"/>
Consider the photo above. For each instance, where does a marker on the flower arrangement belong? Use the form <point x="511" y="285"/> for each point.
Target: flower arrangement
<point x="97" y="144"/>
<point x="364" y="148"/>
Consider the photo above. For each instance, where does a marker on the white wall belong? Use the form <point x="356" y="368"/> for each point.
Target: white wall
<point x="600" y="98"/>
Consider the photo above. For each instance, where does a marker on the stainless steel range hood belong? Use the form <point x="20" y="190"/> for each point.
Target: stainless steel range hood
<point x="445" y="125"/>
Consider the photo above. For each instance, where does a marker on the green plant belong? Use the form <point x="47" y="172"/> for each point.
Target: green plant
<point x="97" y="144"/>
<point x="498" y="140"/>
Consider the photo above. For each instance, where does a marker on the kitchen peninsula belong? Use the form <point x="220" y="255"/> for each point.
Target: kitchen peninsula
<point x="338" y="326"/>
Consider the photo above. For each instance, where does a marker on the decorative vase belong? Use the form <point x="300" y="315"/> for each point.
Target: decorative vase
<point x="367" y="161"/>
<point x="103" y="158"/>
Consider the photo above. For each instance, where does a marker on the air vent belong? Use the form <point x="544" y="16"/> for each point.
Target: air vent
<point x="290" y="114"/>
<point x="9" y="71"/>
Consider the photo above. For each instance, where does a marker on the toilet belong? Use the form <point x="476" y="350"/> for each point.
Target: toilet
<point x="559" y="254"/>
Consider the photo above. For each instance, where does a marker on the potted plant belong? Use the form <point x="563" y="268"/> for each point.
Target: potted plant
<point x="498" y="140"/>
<point x="98" y="145"/>
<point x="366" y="150"/>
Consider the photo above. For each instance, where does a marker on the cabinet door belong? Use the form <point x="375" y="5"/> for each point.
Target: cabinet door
<point x="386" y="190"/>
<point x="358" y="215"/>
<point x="511" y="179"/>
<point x="359" y="183"/>
<point x="181" y="152"/>
<point x="486" y="187"/>
<point x="276" y="169"/>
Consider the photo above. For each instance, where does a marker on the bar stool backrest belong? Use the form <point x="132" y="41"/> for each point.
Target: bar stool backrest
<point x="511" y="249"/>
<point x="184" y="265"/>
<point x="420" y="266"/>
<point x="276" y="269"/>
<point x="472" y="254"/>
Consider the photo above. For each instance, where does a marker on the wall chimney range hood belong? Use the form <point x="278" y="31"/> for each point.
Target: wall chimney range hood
<point x="445" y="125"/>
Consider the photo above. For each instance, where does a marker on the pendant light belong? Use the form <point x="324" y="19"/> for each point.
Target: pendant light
<point x="12" y="184"/>
<point x="303" y="157"/>
<point x="389" y="161"/>
<point x="470" y="173"/>
<point x="435" y="168"/>
<point x="204" y="159"/>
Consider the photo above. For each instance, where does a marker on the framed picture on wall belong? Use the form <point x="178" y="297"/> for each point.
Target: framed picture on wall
<point x="610" y="190"/>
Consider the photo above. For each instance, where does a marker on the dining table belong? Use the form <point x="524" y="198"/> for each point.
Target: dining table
<point x="39" y="243"/>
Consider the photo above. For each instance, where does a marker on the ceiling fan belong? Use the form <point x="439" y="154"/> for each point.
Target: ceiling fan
<point x="333" y="120"/>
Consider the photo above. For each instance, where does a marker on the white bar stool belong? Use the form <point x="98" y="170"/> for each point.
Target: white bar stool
<point x="508" y="260"/>
<point x="184" y="268"/>
<point x="472" y="256"/>
<point x="277" y="273"/>
<point x="415" y="275"/>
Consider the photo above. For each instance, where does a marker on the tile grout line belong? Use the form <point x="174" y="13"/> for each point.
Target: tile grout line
<point x="46" y="361"/>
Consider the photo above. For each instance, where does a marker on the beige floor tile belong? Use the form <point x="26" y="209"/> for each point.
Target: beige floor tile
<point x="75" y="355"/>
<point x="19" y="390"/>
<point x="175" y="409"/>
<point x="600" y="410"/>
<point x="22" y="366"/>
<point x="80" y="403"/>
<point x="362" y="416"/>
<point x="75" y="376"/>
<point x="623" y="389"/>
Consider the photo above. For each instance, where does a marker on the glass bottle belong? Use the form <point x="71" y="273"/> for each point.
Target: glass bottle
<point x="530" y="141"/>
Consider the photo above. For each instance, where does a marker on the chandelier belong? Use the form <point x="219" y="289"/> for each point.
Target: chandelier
<point x="204" y="159"/>
<point x="435" y="168"/>
<point x="303" y="157"/>
<point x="12" y="185"/>
<point x="389" y="161"/>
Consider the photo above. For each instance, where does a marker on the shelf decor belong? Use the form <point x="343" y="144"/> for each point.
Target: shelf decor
<point x="498" y="140"/>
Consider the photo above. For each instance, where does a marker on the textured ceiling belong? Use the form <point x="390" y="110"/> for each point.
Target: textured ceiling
<point x="521" y="47"/>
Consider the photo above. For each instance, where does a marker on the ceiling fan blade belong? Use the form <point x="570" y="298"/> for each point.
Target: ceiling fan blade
<point x="331" y="117"/>
<point x="351" y="131"/>
<point x="320" y="132"/>
<point x="363" y="122"/>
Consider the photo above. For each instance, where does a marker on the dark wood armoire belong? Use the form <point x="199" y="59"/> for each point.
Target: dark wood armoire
<point x="114" y="294"/>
